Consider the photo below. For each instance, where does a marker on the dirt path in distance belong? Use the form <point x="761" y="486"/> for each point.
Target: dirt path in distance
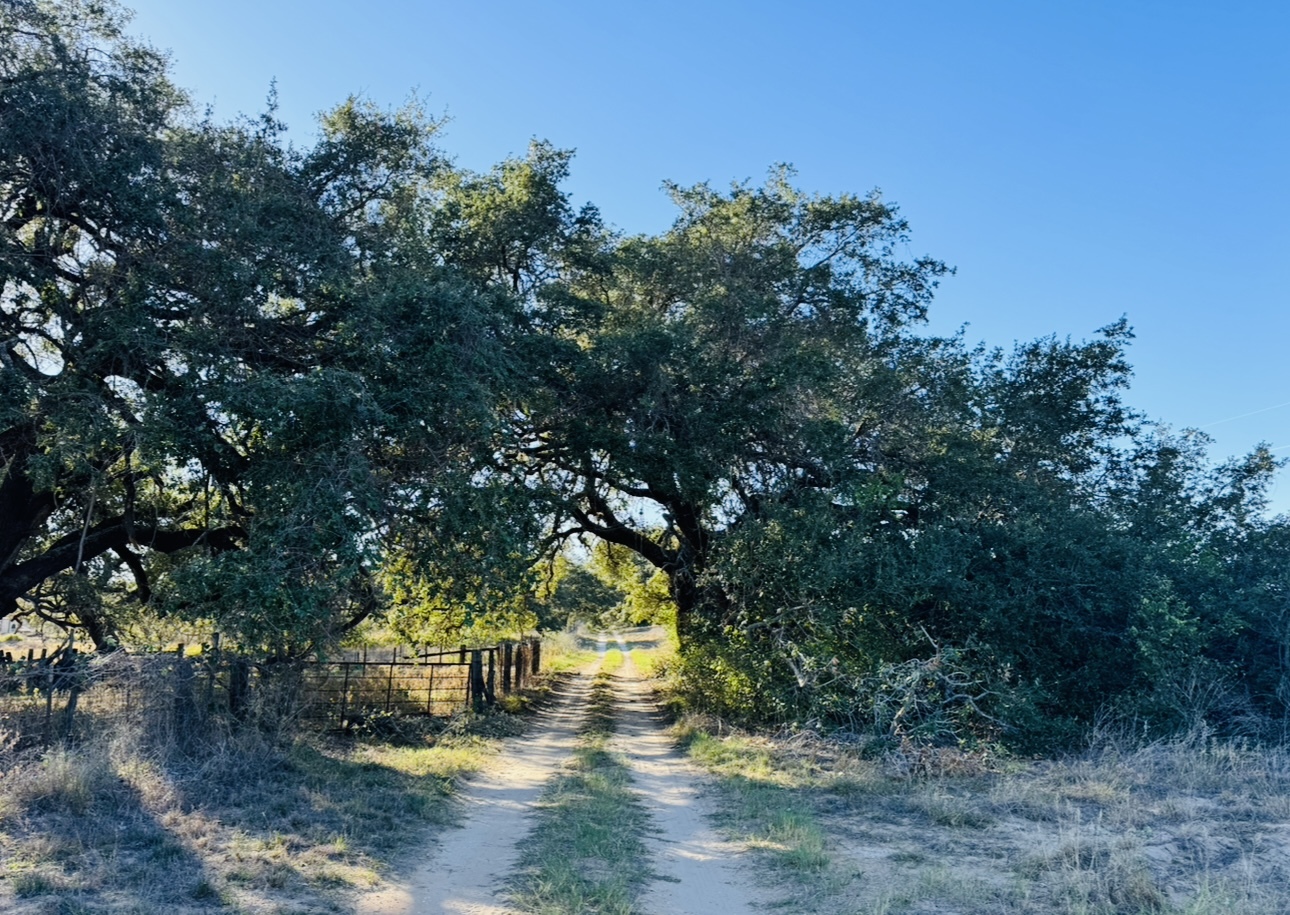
<point x="466" y="871"/>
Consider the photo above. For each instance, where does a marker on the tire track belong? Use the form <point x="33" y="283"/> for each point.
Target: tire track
<point x="696" y="870"/>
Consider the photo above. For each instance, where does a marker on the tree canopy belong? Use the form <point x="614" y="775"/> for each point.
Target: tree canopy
<point x="290" y="389"/>
<point x="215" y="345"/>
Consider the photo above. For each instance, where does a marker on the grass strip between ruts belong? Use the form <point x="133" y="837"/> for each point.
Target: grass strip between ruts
<point x="586" y="853"/>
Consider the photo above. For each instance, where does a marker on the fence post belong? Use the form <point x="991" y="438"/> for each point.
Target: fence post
<point x="490" y="686"/>
<point x="183" y="720"/>
<point x="508" y="653"/>
<point x="212" y="668"/>
<point x="389" y="686"/>
<point x="344" y="695"/>
<point x="49" y="696"/>
<point x="70" y="681"/>
<point x="537" y="656"/>
<point x="468" y="683"/>
<point x="477" y="679"/>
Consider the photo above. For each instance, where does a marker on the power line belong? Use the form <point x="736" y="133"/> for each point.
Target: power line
<point x="1243" y="415"/>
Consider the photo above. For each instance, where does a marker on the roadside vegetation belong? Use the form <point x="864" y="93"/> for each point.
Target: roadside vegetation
<point x="851" y="823"/>
<point x="274" y="818"/>
<point x="219" y="350"/>
<point x="1190" y="825"/>
<point x="295" y="394"/>
<point x="119" y="826"/>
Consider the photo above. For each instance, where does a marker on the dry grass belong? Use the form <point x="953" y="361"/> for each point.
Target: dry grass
<point x="116" y="826"/>
<point x="1191" y="826"/>
<point x="219" y="818"/>
<point x="768" y="808"/>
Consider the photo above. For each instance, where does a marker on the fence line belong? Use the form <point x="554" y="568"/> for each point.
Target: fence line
<point x="43" y="699"/>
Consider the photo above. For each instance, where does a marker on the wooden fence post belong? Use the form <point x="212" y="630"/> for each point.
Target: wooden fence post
<point x="389" y="686"/>
<point x="212" y="668"/>
<point x="490" y="685"/>
<point x="184" y="713"/>
<point x="49" y="696"/>
<point x="477" y="679"/>
<point x="537" y="656"/>
<point x="508" y="653"/>
<point x="344" y="695"/>
<point x="71" y="682"/>
<point x="49" y="713"/>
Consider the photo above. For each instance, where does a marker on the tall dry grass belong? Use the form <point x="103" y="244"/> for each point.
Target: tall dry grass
<point x="140" y="816"/>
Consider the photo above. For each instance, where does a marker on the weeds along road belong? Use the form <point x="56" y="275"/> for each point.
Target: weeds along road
<point x="480" y="869"/>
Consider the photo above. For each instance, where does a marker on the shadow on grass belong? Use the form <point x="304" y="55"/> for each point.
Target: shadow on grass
<point x="82" y="840"/>
<point x="294" y="831"/>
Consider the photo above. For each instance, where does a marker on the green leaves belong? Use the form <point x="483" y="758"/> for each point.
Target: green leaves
<point x="294" y="388"/>
<point x="219" y="350"/>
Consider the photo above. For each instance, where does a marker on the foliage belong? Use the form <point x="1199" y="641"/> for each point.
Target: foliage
<point x="569" y="594"/>
<point x="612" y="588"/>
<point x="235" y="376"/>
<point x="290" y="389"/>
<point x="444" y="613"/>
<point x="644" y="592"/>
<point x="835" y="487"/>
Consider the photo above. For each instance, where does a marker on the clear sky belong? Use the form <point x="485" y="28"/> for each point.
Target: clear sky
<point x="1075" y="161"/>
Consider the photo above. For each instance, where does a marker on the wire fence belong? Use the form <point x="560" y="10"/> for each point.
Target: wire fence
<point x="180" y="698"/>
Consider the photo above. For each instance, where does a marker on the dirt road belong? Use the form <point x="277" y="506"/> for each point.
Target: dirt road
<point x="466" y="871"/>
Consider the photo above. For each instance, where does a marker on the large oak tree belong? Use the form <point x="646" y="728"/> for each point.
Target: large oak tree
<point x="288" y="388"/>
<point x="231" y="372"/>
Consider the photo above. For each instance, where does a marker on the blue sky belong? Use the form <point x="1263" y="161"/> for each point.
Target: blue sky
<point x="1075" y="161"/>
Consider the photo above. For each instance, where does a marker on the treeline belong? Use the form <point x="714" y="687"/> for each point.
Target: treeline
<point x="294" y="389"/>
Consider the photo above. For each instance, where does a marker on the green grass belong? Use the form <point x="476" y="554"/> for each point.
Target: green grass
<point x="653" y="658"/>
<point x="611" y="663"/>
<point x="586" y="853"/>
<point x="778" y="796"/>
<point x="568" y="661"/>
<point x="762" y="806"/>
<point x="564" y="652"/>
